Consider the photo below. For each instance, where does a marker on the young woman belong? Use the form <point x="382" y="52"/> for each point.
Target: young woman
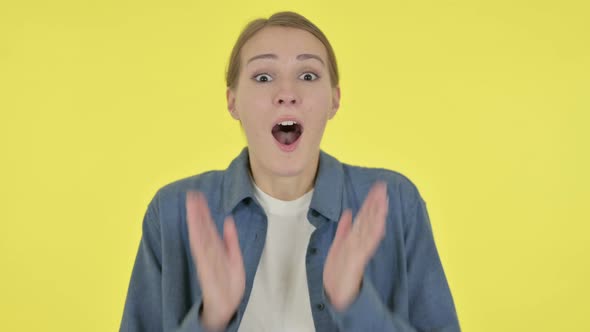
<point x="308" y="243"/>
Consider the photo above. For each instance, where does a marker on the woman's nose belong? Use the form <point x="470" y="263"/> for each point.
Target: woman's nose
<point x="286" y="96"/>
<point x="286" y="100"/>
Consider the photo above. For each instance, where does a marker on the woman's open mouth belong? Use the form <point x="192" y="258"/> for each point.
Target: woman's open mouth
<point x="287" y="133"/>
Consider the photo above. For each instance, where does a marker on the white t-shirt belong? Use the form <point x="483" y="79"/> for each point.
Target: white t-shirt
<point x="279" y="300"/>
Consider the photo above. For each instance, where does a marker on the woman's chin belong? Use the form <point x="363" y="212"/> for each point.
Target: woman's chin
<point x="279" y="163"/>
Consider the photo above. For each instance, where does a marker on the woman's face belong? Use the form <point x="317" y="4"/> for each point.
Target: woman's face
<point x="283" y="99"/>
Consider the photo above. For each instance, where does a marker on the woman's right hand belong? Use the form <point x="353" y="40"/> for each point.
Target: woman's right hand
<point x="220" y="267"/>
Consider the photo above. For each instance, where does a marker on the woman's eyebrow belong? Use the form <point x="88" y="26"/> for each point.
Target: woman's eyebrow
<point x="310" y="56"/>
<point x="304" y="56"/>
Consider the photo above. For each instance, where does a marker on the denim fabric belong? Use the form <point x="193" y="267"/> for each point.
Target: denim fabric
<point x="404" y="287"/>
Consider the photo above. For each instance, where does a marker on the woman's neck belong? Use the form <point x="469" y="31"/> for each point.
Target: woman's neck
<point x="286" y="188"/>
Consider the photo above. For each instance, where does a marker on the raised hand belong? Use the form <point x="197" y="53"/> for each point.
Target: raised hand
<point x="353" y="246"/>
<point x="219" y="262"/>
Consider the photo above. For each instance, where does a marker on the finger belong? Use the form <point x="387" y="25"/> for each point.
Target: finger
<point x="208" y="223"/>
<point x="344" y="226"/>
<point x="377" y="190"/>
<point x="204" y="214"/>
<point x="232" y="243"/>
<point x="381" y="217"/>
<point x="192" y="218"/>
<point x="371" y="221"/>
<point x="377" y="197"/>
<point x="212" y="241"/>
<point x="381" y="209"/>
<point x="196" y="229"/>
<point x="378" y="210"/>
<point x="374" y="229"/>
<point x="204" y="239"/>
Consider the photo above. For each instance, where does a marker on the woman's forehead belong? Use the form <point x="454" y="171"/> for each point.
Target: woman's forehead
<point x="283" y="42"/>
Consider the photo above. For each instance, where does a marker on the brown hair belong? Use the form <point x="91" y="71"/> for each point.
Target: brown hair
<point x="282" y="19"/>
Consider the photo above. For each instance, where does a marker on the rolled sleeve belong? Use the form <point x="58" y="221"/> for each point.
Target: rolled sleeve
<point x="367" y="313"/>
<point x="430" y="302"/>
<point x="144" y="303"/>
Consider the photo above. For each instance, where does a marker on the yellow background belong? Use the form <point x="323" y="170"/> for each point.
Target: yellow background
<point x="483" y="104"/>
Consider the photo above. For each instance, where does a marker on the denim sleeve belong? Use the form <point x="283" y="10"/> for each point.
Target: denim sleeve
<point x="144" y="305"/>
<point x="431" y="306"/>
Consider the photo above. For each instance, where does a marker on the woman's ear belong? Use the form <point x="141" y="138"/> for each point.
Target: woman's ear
<point x="231" y="103"/>
<point x="335" y="101"/>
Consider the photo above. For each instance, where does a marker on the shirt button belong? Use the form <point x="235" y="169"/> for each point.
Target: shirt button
<point x="315" y="213"/>
<point x="313" y="251"/>
<point x="320" y="306"/>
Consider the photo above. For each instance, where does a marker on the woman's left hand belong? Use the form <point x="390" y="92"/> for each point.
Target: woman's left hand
<point x="354" y="244"/>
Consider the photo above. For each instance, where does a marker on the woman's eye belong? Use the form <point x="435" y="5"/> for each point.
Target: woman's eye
<point x="262" y="78"/>
<point x="309" y="77"/>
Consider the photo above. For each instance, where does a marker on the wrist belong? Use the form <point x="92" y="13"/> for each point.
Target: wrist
<point x="342" y="301"/>
<point x="211" y="321"/>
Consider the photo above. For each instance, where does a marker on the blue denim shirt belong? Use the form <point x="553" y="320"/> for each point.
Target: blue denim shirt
<point x="404" y="287"/>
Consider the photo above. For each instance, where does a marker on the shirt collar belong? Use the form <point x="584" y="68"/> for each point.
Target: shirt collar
<point x="328" y="187"/>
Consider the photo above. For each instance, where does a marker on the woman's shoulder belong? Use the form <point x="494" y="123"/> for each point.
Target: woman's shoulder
<point x="174" y="192"/>
<point x="365" y="177"/>
<point x="198" y="182"/>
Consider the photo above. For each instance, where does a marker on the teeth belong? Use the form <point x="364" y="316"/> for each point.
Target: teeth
<point x="287" y="123"/>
